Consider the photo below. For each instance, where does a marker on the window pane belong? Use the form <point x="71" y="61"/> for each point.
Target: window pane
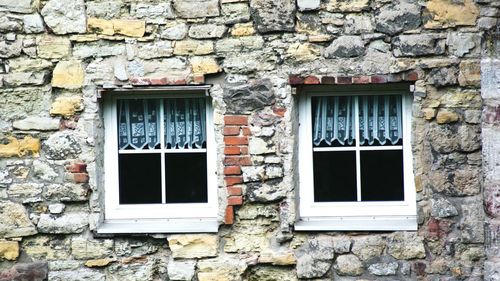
<point x="186" y="177"/>
<point x="334" y="176"/>
<point x="185" y="123"/>
<point x="140" y="178"/>
<point x="382" y="175"/>
<point x="333" y="121"/>
<point x="380" y="120"/>
<point x="138" y="123"/>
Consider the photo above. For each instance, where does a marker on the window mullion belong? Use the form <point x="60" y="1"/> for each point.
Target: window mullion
<point x="163" y="155"/>
<point x="357" y="142"/>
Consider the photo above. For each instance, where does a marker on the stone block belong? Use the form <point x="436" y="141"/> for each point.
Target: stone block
<point x="279" y="257"/>
<point x="368" y="247"/>
<point x="221" y="269"/>
<point x="383" y="269"/>
<point x="157" y="49"/>
<point x="66" y="106"/>
<point x="204" y="65"/>
<point x="65" y="224"/>
<point x="268" y="273"/>
<point x="314" y="257"/>
<point x="463" y="44"/>
<point x="446" y="116"/>
<point x="62" y="145"/>
<point x="33" y="24"/>
<point x="207" y="31"/>
<point x="174" y="31"/>
<point x="397" y="17"/>
<point x="20" y="147"/>
<point x="442" y="208"/>
<point x="303" y="52"/>
<point x="79" y="274"/>
<point x="448" y="13"/>
<point x="347" y="5"/>
<point x="242" y="29"/>
<point x="249" y="97"/>
<point x="97" y="49"/>
<point x="348" y="265"/>
<point x="10" y="49"/>
<point x="19" y="6"/>
<point x="36" y="271"/>
<point x="37" y="124"/>
<point x="67" y="75"/>
<point x="358" y="24"/>
<point x="17" y="79"/>
<point x="345" y="47"/>
<point x="272" y="16"/>
<point x="152" y="12"/>
<point x="85" y="248"/>
<point x="406" y="245"/>
<point x="100" y="26"/>
<point x="65" y="16"/>
<point x="236" y="13"/>
<point x="52" y="47"/>
<point x="193" y="47"/>
<point x="417" y="45"/>
<point x="181" y="270"/>
<point x="196" y="9"/>
<point x="308" y="5"/>
<point x="193" y="245"/>
<point x="26" y="65"/>
<point x="104" y="9"/>
<point x="470" y="73"/>
<point x="9" y="250"/>
<point x="100" y="262"/>
<point x="25" y="192"/>
<point x="14" y="221"/>
<point x="132" y="28"/>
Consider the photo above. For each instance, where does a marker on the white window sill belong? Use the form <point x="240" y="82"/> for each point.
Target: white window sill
<point x="158" y="226"/>
<point x="361" y="223"/>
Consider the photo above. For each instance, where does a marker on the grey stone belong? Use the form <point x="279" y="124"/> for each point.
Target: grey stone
<point x="273" y="172"/>
<point x="464" y="44"/>
<point x="56" y="208"/>
<point x="181" y="270"/>
<point x="85" y="248"/>
<point x="61" y="145"/>
<point x="152" y="12"/>
<point x="252" y="173"/>
<point x="269" y="273"/>
<point x="272" y="16"/>
<point x="444" y="138"/>
<point x="473" y="116"/>
<point x="397" y="17"/>
<point x="236" y="13"/>
<point x="43" y="171"/>
<point x="368" y="247"/>
<point x="249" y="63"/>
<point x="120" y="70"/>
<point x="268" y="191"/>
<point x="472" y="220"/>
<point x="242" y="44"/>
<point x="10" y="49"/>
<point x="469" y="137"/>
<point x="144" y="270"/>
<point x="196" y="9"/>
<point x="97" y="49"/>
<point x="383" y="269"/>
<point x="357" y="24"/>
<point x="487" y="23"/>
<point x="17" y="79"/>
<point x="65" y="16"/>
<point x="314" y="257"/>
<point x="443" y="76"/>
<point x="33" y="23"/>
<point x="17" y="103"/>
<point x="491" y="270"/>
<point x="68" y="192"/>
<point x="206" y="31"/>
<point x="345" y="47"/>
<point x="308" y="5"/>
<point x="81" y="274"/>
<point x="342" y="245"/>
<point x="257" y="146"/>
<point x="14" y="220"/>
<point x="406" y="245"/>
<point x="25" y="192"/>
<point x="249" y="97"/>
<point x="157" y="49"/>
<point x="174" y="31"/>
<point x="36" y="271"/>
<point x="104" y="9"/>
<point x="348" y="265"/>
<point x="9" y="24"/>
<point x="64" y="224"/>
<point x="37" y="123"/>
<point x="442" y="208"/>
<point x="418" y="45"/>
<point x="19" y="6"/>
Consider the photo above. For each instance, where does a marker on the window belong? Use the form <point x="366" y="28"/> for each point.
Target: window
<point x="355" y="160"/>
<point x="158" y="173"/>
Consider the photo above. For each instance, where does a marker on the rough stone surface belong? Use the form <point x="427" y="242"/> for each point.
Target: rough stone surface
<point x="348" y="265"/>
<point x="67" y="223"/>
<point x="397" y="17"/>
<point x="14" y="221"/>
<point x="272" y="16"/>
<point x="314" y="258"/>
<point x="345" y="47"/>
<point x="193" y="245"/>
<point x="196" y="9"/>
<point x="9" y="250"/>
<point x="383" y="269"/>
<point x="68" y="75"/>
<point x="249" y="97"/>
<point x="406" y="245"/>
<point x="37" y="123"/>
<point x="65" y="16"/>
<point x="22" y="6"/>
<point x="448" y="13"/>
<point x="418" y="45"/>
<point x="84" y="248"/>
<point x="181" y="270"/>
<point x="33" y="23"/>
<point x="36" y="271"/>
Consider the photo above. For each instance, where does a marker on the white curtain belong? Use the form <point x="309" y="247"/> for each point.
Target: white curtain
<point x="139" y="123"/>
<point x="380" y="119"/>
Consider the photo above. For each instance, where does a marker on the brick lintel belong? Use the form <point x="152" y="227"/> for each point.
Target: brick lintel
<point x="296" y="80"/>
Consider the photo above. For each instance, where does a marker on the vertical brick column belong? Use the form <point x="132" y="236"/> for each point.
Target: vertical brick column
<point x="236" y="155"/>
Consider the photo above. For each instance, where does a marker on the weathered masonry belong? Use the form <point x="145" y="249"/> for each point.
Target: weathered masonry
<point x="249" y="140"/>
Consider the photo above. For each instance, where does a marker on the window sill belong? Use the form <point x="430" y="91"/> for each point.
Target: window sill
<point x="361" y="223"/>
<point x="158" y="226"/>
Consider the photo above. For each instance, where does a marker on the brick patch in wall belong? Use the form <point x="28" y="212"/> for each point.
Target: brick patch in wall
<point x="77" y="172"/>
<point x="236" y="132"/>
<point x="410" y="76"/>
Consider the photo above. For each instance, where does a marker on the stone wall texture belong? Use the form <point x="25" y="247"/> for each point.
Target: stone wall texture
<point x="57" y="56"/>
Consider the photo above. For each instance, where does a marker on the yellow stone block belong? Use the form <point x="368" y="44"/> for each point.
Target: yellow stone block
<point x="303" y="52"/>
<point x="204" y="65"/>
<point x="98" y="262"/>
<point x="100" y="26"/>
<point x="132" y="28"/>
<point x="52" y="47"/>
<point x="193" y="47"/>
<point x="446" y="13"/>
<point x="84" y="37"/>
<point x="66" y="106"/>
<point x="242" y="29"/>
<point x="9" y="250"/>
<point x="278" y="258"/>
<point x="347" y="6"/>
<point x="193" y="245"/>
<point x="68" y="75"/>
<point x="19" y="148"/>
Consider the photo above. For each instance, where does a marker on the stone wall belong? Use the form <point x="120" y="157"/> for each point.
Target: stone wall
<point x="58" y="56"/>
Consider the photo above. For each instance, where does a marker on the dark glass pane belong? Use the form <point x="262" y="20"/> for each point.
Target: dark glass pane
<point x="140" y="178"/>
<point x="334" y="176"/>
<point x="382" y="175"/>
<point x="186" y="177"/>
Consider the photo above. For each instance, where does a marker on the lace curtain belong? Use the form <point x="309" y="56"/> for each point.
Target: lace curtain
<point x="139" y="123"/>
<point x="380" y="120"/>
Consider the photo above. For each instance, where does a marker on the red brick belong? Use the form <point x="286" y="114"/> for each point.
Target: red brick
<point x="76" y="168"/>
<point x="328" y="80"/>
<point x="344" y="80"/>
<point x="361" y="80"/>
<point x="234" y="190"/>
<point x="311" y="80"/>
<point x="236" y="120"/>
<point x="235" y="140"/>
<point x="395" y="77"/>
<point x="231" y="131"/>
<point x="234" y="200"/>
<point x="237" y="160"/>
<point x="80" y="177"/>
<point x="198" y="79"/>
<point x="410" y="76"/>
<point x="140" y="81"/>
<point x="280" y="111"/>
<point x="232" y="150"/>
<point x="232" y="170"/>
<point x="229" y="215"/>
<point x="295" y="80"/>
<point x="379" y="79"/>
<point x="246" y="131"/>
<point x="244" y="150"/>
<point x="232" y="180"/>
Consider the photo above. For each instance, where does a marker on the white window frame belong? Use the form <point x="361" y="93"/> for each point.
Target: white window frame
<point x="377" y="216"/>
<point x="156" y="218"/>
